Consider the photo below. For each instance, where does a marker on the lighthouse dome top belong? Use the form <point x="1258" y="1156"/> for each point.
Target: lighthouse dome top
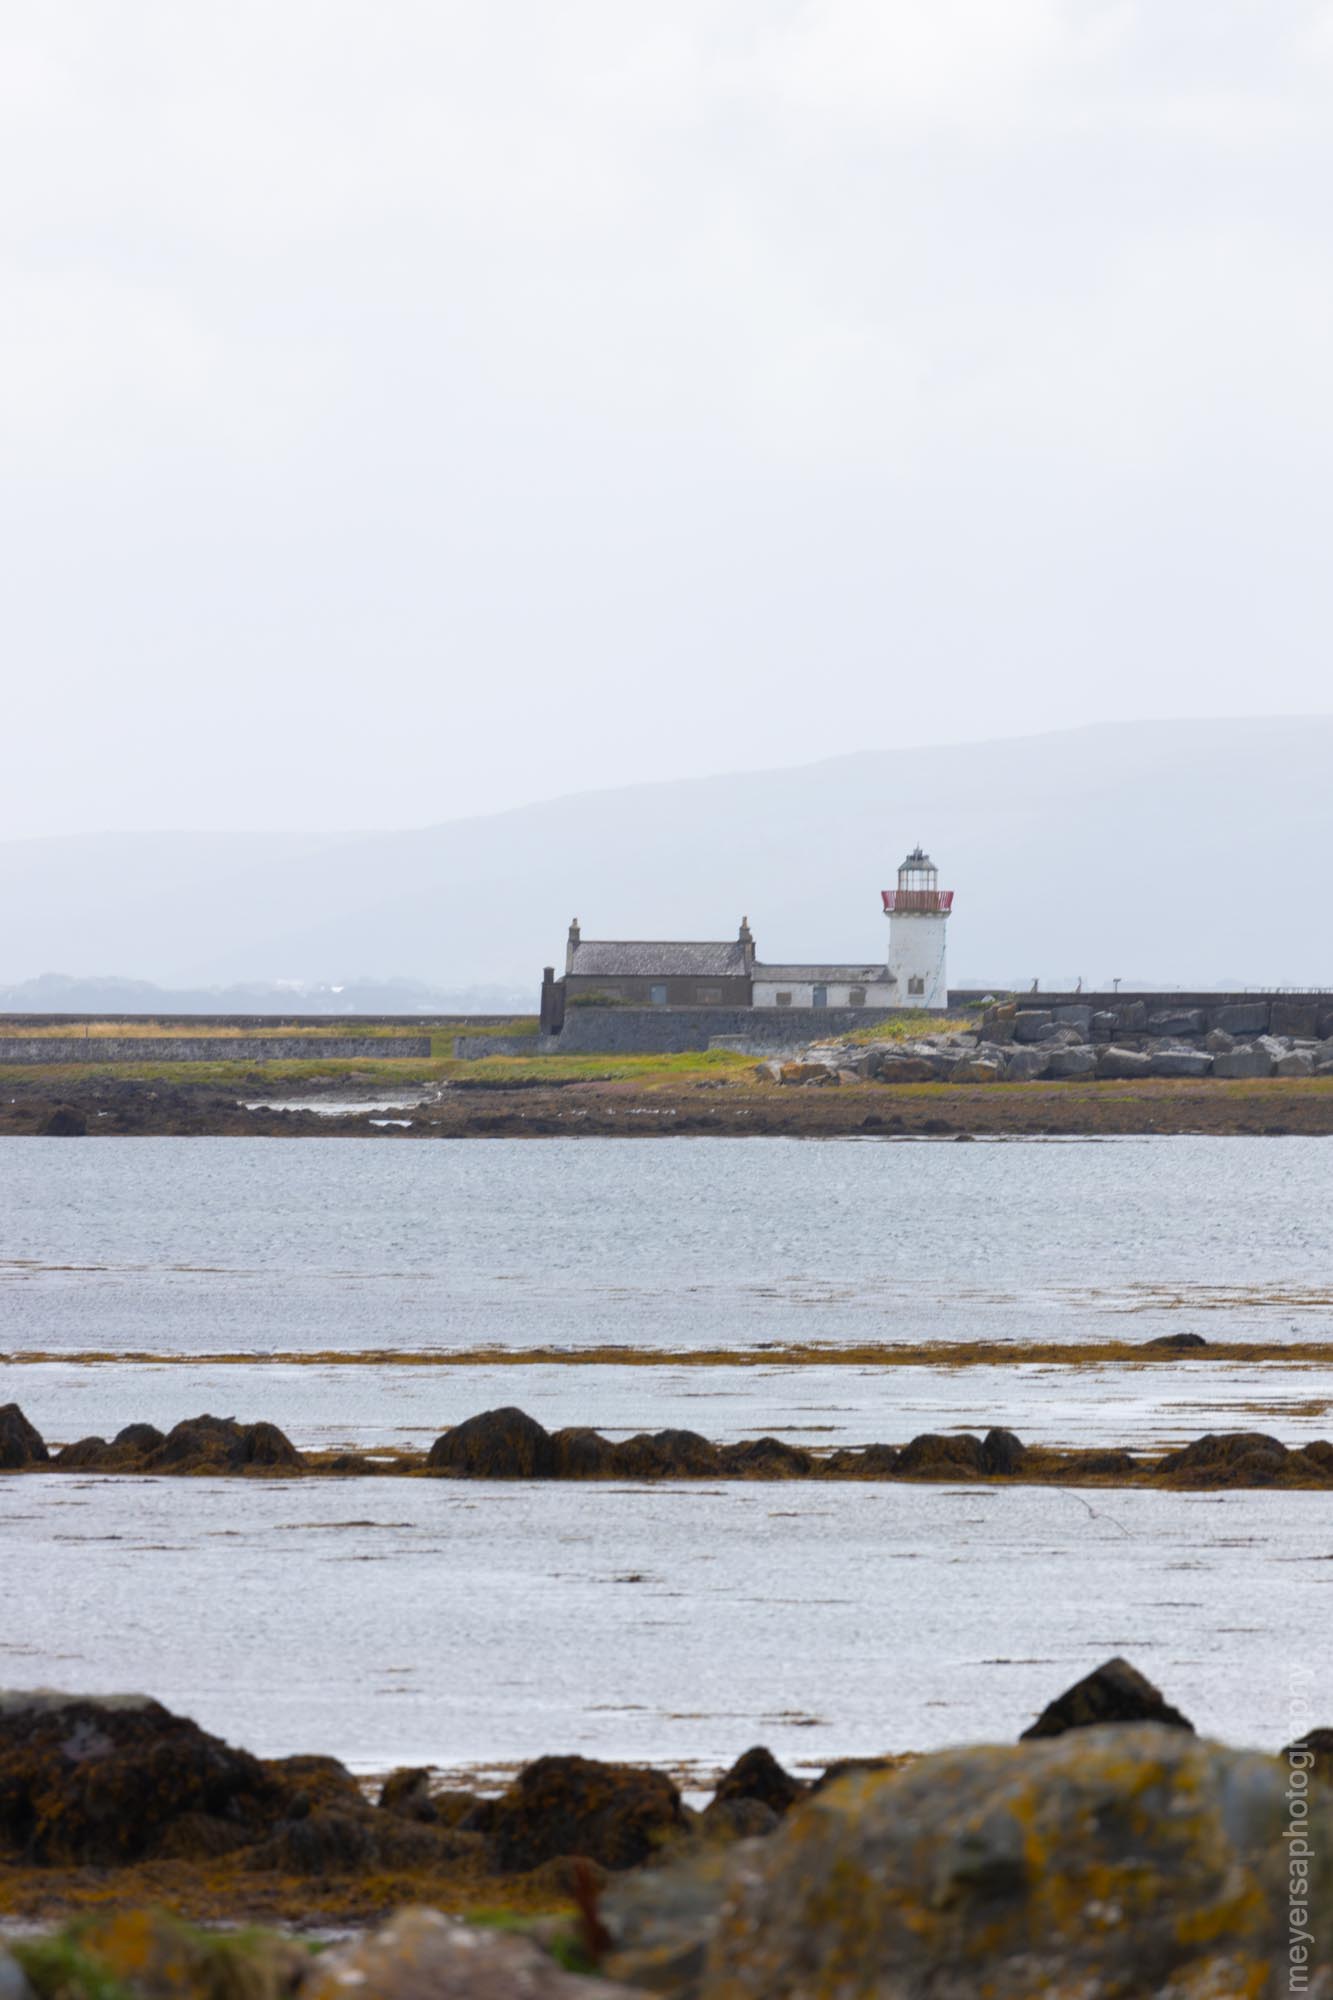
<point x="917" y="871"/>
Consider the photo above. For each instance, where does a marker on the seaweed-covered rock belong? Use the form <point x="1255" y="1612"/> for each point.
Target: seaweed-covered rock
<point x="1120" y="1862"/>
<point x="579" y="1453"/>
<point x="765" y="1458"/>
<point x="1226" y="1458"/>
<point x="615" y="1814"/>
<point x="497" y="1444"/>
<point x="209" y="1444"/>
<point x="1002" y="1454"/>
<point x="668" y="1455"/>
<point x="407" y="1793"/>
<point x="1177" y="1343"/>
<point x="758" y="1775"/>
<point x="101" y="1779"/>
<point x="86" y="1454"/>
<point x="931" y="1456"/>
<point x="1113" y="1692"/>
<point x="21" y="1443"/>
<point x="423" y="1955"/>
<point x="139" y="1437"/>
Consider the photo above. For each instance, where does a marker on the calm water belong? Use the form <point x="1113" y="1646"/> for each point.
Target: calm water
<point x="195" y="1246"/>
<point x="426" y="1622"/>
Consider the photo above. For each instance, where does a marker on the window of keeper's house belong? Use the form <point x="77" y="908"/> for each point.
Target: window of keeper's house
<point x="657" y="994"/>
<point x="916" y="984"/>
<point x="856" y="996"/>
<point x="708" y="996"/>
<point x="782" y="999"/>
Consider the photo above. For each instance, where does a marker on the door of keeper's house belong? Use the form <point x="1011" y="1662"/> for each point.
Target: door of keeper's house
<point x="819" y="996"/>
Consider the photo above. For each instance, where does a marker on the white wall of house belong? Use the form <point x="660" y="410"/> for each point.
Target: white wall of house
<point x="916" y="959"/>
<point x="832" y="992"/>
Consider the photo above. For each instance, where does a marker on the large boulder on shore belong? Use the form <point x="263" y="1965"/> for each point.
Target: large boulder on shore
<point x="668" y="1455"/>
<point x="1113" y="1692"/>
<point x="1110" y="1864"/>
<point x="614" y="1814"/>
<point x="21" y="1443"/>
<point x="497" y="1444"/>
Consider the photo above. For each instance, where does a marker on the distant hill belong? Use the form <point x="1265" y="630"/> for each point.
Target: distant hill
<point x="1184" y="853"/>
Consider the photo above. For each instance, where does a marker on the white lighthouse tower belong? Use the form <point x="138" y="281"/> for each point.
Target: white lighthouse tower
<point x="918" y="912"/>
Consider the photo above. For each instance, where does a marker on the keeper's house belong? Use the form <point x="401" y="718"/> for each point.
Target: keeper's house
<point x="610" y="972"/>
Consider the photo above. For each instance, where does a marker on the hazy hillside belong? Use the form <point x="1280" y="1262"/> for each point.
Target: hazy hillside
<point x="1171" y="853"/>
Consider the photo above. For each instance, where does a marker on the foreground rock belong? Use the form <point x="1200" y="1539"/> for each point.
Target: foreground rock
<point x="1111" y="1863"/>
<point x="113" y="1780"/>
<point x="422" y="1955"/>
<point x="1115" y="1692"/>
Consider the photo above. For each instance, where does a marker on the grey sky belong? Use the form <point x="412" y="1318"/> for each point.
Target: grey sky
<point x="413" y="409"/>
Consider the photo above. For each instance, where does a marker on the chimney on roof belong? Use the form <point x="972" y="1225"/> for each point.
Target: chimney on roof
<point x="573" y="944"/>
<point x="745" y="938"/>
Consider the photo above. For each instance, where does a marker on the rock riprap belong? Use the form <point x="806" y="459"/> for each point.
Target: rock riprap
<point x="1107" y="1864"/>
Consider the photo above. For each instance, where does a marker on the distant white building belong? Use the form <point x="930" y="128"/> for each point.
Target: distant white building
<point x="822" y="986"/>
<point x="918" y="913"/>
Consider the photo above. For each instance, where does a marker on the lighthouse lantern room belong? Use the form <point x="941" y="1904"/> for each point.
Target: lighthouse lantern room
<point x="918" y="912"/>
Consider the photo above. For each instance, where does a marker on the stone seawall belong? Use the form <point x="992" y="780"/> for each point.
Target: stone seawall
<point x="210" y="1048"/>
<point x="652" y="1031"/>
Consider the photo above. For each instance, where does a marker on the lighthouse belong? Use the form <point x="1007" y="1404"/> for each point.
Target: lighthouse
<point x="918" y="911"/>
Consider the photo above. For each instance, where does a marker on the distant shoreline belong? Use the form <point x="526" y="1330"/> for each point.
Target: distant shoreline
<point x="640" y="1098"/>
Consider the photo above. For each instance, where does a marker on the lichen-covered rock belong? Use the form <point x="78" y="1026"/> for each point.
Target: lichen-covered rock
<point x="1114" y="1864"/>
<point x="21" y="1443"/>
<point x="1312" y="1753"/>
<point x="1113" y="1692"/>
<point x="614" y="1814"/>
<point x="758" y="1775"/>
<point x="497" y="1444"/>
<point x="737" y="1819"/>
<point x="423" y="1955"/>
<point x="154" y="1956"/>
<point x="101" y="1779"/>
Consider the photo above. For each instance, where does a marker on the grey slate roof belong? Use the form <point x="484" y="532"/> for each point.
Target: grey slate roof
<point x="824" y="975"/>
<point x="600" y="958"/>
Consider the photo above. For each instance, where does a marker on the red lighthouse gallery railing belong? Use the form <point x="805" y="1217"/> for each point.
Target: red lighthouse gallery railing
<point x="917" y="902"/>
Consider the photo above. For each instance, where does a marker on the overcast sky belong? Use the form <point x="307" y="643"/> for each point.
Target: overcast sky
<point x="414" y="409"/>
